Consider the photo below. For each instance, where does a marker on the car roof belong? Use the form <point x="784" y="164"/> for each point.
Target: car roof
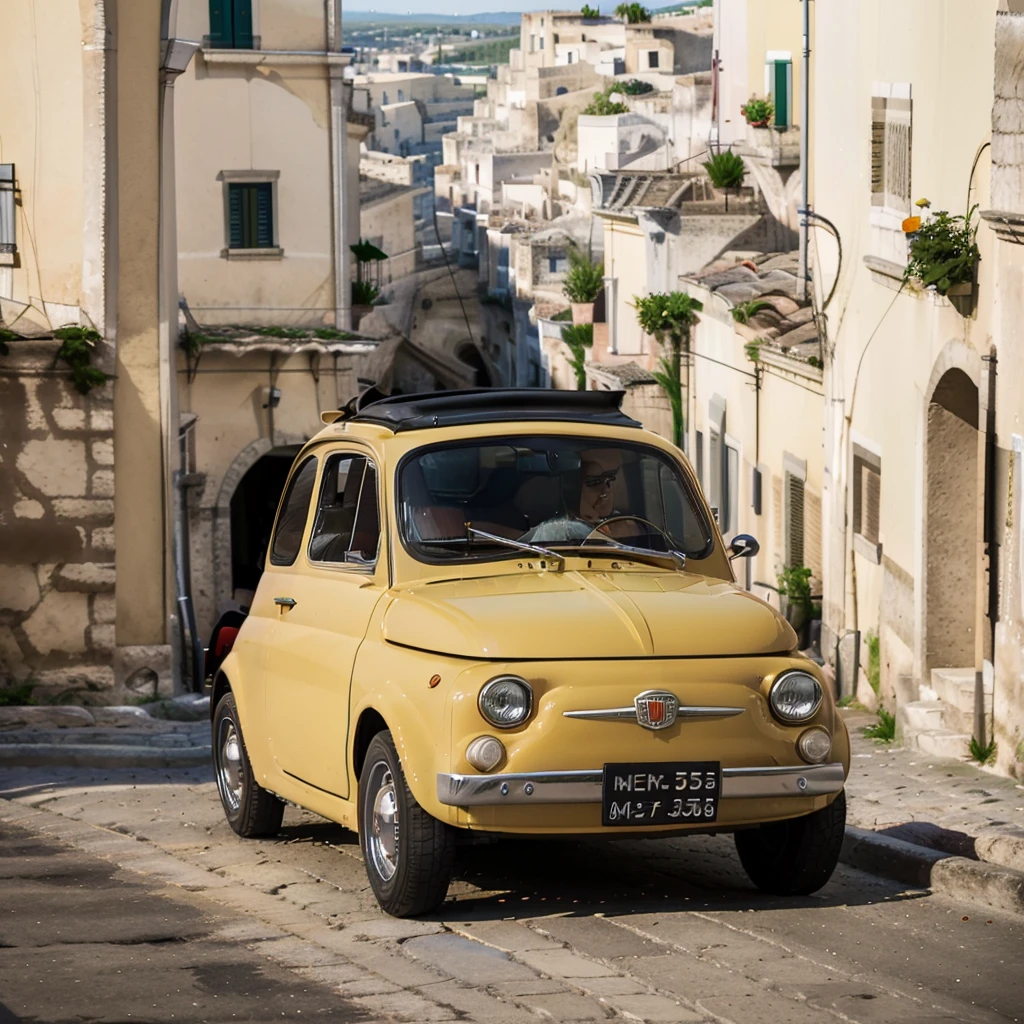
<point x="400" y="413"/>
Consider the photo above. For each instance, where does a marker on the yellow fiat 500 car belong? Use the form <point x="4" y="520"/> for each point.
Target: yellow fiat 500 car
<point x="511" y="612"/>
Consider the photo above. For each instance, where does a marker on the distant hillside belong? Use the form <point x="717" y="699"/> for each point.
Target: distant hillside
<point x="495" y="18"/>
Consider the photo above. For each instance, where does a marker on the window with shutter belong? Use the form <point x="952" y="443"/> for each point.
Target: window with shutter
<point x="891" y="152"/>
<point x="867" y="494"/>
<point x="715" y="470"/>
<point x="794" y="521"/>
<point x="231" y="24"/>
<point x="251" y="215"/>
<point x="730" y="520"/>
<point x="699" y="446"/>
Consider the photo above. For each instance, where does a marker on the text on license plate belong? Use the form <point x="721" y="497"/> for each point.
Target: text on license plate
<point x="660" y="793"/>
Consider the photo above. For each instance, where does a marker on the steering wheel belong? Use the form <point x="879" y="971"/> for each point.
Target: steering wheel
<point x="669" y="544"/>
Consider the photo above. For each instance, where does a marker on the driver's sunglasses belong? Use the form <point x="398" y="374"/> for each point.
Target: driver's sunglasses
<point x="604" y="480"/>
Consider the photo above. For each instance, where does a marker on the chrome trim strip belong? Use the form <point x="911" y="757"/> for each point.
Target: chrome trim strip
<point x="584" y="787"/>
<point x="629" y="714"/>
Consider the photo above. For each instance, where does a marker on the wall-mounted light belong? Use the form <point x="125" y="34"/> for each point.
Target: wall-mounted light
<point x="8" y="195"/>
<point x="273" y="398"/>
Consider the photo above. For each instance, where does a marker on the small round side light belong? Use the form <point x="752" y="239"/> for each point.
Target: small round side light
<point x="485" y="752"/>
<point x="814" y="745"/>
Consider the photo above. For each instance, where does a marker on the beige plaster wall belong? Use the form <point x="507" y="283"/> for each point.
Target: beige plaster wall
<point x="625" y="261"/>
<point x="265" y="119"/>
<point x="392" y="221"/>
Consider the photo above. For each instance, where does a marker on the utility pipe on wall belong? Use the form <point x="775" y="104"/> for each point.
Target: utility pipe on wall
<point x="805" y="170"/>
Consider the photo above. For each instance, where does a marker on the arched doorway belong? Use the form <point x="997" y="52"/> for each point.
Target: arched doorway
<point x="951" y="525"/>
<point x="470" y="355"/>
<point x="253" y="506"/>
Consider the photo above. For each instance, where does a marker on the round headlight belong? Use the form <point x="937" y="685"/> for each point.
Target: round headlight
<point x="795" y="697"/>
<point x="506" y="701"/>
<point x="814" y="745"/>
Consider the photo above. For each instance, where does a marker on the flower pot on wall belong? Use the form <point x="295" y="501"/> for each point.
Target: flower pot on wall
<point x="582" y="312"/>
<point x="961" y="297"/>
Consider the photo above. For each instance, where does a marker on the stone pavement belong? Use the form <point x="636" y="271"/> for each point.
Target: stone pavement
<point x="926" y="820"/>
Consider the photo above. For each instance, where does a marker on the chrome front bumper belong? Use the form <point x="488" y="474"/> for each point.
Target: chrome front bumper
<point x="584" y="787"/>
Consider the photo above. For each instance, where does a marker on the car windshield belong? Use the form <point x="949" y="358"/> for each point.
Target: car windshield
<point x="552" y="492"/>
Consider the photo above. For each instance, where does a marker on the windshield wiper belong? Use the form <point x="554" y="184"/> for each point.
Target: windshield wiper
<point x="518" y="545"/>
<point x="664" y="559"/>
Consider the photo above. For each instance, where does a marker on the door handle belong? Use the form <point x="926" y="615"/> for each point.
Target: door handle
<point x="285" y="602"/>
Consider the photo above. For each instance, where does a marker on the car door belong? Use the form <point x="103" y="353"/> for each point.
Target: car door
<point x="325" y="599"/>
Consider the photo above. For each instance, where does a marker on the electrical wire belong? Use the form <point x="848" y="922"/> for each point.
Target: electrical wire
<point x="451" y="274"/>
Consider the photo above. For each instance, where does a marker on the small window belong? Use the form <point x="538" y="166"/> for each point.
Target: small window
<point x="891" y="152"/>
<point x="731" y="498"/>
<point x="291" y="520"/>
<point x="8" y="238"/>
<point x="251" y="215"/>
<point x="652" y="58"/>
<point x="347" y="526"/>
<point x="397" y="134"/>
<point x="401" y="95"/>
<point x="231" y="24"/>
<point x="794" y="520"/>
<point x="384" y="98"/>
<point x="542" y="42"/>
<point x="699" y="456"/>
<point x="867" y="494"/>
<point x="715" y="471"/>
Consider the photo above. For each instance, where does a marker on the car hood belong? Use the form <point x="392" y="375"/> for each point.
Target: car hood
<point x="548" y="615"/>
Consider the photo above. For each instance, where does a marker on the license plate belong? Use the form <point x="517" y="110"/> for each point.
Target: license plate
<point x="660" y="793"/>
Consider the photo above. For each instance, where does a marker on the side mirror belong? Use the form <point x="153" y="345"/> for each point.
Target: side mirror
<point x="743" y="546"/>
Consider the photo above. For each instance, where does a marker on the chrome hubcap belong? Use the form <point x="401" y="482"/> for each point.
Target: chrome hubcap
<point x="229" y="766"/>
<point x="382" y="832"/>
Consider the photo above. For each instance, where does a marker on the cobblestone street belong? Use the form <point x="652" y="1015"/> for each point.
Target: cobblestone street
<point x="667" y="931"/>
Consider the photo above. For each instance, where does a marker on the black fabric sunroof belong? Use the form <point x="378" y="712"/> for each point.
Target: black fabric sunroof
<point x="494" y="405"/>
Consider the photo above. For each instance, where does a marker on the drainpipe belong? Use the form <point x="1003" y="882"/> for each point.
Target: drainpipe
<point x="339" y="98"/>
<point x="988" y="598"/>
<point x="805" y="169"/>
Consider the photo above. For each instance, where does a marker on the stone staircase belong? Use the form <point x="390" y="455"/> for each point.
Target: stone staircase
<point x="941" y="722"/>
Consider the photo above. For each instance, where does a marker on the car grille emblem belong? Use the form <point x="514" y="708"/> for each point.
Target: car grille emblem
<point x="656" y="709"/>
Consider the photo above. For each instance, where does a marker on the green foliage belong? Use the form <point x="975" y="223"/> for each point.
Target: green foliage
<point x="726" y="169"/>
<point x="363" y="293"/>
<point x="983" y="754"/>
<point x="7" y="335"/>
<point x="742" y="312"/>
<point x="669" y="315"/>
<point x="584" y="279"/>
<point x="943" y="251"/>
<point x="633" y="14"/>
<point x="578" y="339"/>
<point x="587" y="11"/>
<point x="565" y="314"/>
<point x="795" y="583"/>
<point x="752" y="349"/>
<point x="672" y="314"/>
<point x="815" y="362"/>
<point x="874" y="668"/>
<point x="77" y="345"/>
<point x="634" y="87"/>
<point x="17" y="695"/>
<point x="491" y="51"/>
<point x="274" y="331"/>
<point x="757" y="110"/>
<point x="333" y="334"/>
<point x="884" y="730"/>
<point x="602" y="106"/>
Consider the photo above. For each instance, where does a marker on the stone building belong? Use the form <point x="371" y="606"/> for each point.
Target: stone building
<point x="88" y="276"/>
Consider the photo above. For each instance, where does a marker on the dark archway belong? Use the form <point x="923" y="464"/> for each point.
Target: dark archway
<point x="470" y="355"/>
<point x="952" y="522"/>
<point x="253" y="507"/>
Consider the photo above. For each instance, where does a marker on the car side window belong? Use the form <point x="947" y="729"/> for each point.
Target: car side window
<point x="347" y="525"/>
<point x="292" y="519"/>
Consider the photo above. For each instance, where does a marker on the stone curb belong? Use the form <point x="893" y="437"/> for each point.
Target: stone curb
<point x="957" y="877"/>
<point x="91" y="755"/>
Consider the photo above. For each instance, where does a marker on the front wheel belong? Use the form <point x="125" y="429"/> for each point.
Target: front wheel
<point x="794" y="857"/>
<point x="251" y="811"/>
<point x="408" y="853"/>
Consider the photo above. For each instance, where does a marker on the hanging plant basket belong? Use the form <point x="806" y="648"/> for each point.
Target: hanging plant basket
<point x="962" y="298"/>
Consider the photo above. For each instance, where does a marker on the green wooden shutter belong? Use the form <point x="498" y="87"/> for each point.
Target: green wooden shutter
<point x="264" y="215"/>
<point x="235" y="230"/>
<point x="220" y="24"/>
<point x="781" y="88"/>
<point x="242" y="24"/>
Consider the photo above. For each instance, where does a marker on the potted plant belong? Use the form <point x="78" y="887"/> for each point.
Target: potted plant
<point x="578" y="338"/>
<point x="602" y="106"/>
<point x="583" y="283"/>
<point x="795" y="595"/>
<point x="758" y="112"/>
<point x="669" y="317"/>
<point x="943" y="255"/>
<point x="726" y="170"/>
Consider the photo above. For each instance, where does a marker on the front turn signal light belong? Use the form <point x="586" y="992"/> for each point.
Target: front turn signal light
<point x="485" y="752"/>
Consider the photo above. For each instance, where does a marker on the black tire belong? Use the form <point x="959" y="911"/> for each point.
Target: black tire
<point x="251" y="811"/>
<point x="409" y="869"/>
<point x="794" y="857"/>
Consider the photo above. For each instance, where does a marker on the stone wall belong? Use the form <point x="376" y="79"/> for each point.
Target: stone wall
<point x="56" y="528"/>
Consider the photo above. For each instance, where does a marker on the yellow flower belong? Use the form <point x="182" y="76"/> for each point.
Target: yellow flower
<point x="922" y="203"/>
<point x="911" y="224"/>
